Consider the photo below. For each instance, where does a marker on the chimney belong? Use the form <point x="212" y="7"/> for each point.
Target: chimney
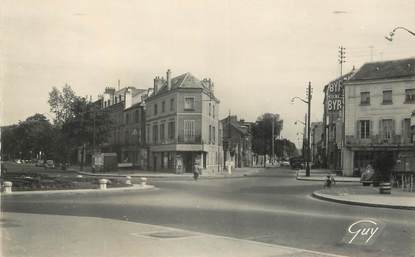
<point x="155" y="85"/>
<point x="158" y="83"/>
<point x="168" y="75"/>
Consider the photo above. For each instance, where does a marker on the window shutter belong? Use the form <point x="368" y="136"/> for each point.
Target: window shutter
<point x="393" y="128"/>
<point x="371" y="128"/>
<point x="358" y="129"/>
<point x="380" y="129"/>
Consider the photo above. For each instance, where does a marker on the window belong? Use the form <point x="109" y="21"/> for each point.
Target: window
<point x="189" y="103"/>
<point x="147" y="133"/>
<point x="136" y="116"/>
<point x="387" y="97"/>
<point x="127" y="136"/>
<point x="189" y="130"/>
<point x="163" y="106"/>
<point x="172" y="104"/>
<point x="155" y="109"/>
<point x="364" y="129"/>
<point x="210" y="109"/>
<point x="214" y="134"/>
<point x="155" y="133"/>
<point x="410" y="96"/>
<point x="213" y="111"/>
<point x="406" y="130"/>
<point x="364" y="98"/>
<point x="386" y="129"/>
<point x="127" y="118"/>
<point x="171" y="130"/>
<point x="162" y="132"/>
<point x="210" y="134"/>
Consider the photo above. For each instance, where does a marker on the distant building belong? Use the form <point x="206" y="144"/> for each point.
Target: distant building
<point x="316" y="143"/>
<point x="182" y="125"/>
<point x="379" y="101"/>
<point x="237" y="141"/>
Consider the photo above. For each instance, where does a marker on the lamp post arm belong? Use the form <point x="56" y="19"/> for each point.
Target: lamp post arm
<point x="407" y="30"/>
<point x="296" y="97"/>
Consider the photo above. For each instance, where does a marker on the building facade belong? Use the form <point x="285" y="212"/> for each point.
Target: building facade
<point x="182" y="125"/>
<point x="333" y="123"/>
<point x="127" y="133"/>
<point x="380" y="98"/>
<point x="237" y="141"/>
<point x="316" y="143"/>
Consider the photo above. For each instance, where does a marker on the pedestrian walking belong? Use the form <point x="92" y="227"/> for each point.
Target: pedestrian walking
<point x="196" y="171"/>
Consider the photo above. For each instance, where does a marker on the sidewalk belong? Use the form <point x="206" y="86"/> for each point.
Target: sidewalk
<point x="236" y="173"/>
<point x="37" y="235"/>
<point x="320" y="175"/>
<point x="368" y="196"/>
<point x="80" y="191"/>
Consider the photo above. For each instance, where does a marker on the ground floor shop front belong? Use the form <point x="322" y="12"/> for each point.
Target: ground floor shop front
<point x="356" y="159"/>
<point x="210" y="159"/>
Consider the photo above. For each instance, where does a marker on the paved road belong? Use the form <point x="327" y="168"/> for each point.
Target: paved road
<point x="271" y="207"/>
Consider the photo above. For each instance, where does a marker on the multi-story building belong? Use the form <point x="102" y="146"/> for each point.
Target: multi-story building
<point x="126" y="137"/>
<point x="380" y="98"/>
<point x="333" y="121"/>
<point x="237" y="141"/>
<point x="182" y="125"/>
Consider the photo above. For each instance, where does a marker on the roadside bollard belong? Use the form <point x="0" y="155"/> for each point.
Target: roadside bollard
<point x="7" y="187"/>
<point x="128" y="180"/>
<point x="143" y="182"/>
<point x="103" y="184"/>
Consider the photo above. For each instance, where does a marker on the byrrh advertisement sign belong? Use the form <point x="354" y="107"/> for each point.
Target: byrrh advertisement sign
<point x="335" y="93"/>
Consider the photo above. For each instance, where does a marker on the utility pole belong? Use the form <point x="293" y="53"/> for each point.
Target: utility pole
<point x="342" y="59"/>
<point x="309" y="96"/>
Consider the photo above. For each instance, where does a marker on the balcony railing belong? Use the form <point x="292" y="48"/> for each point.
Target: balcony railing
<point x="377" y="140"/>
<point x="197" y="139"/>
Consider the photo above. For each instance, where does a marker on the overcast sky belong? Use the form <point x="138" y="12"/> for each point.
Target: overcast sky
<point x="259" y="53"/>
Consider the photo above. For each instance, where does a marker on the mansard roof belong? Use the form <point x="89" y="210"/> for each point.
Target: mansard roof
<point x="386" y="70"/>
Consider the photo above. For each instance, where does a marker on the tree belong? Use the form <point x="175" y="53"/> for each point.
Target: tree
<point x="262" y="133"/>
<point x="28" y="138"/>
<point x="285" y="148"/>
<point x="61" y="103"/>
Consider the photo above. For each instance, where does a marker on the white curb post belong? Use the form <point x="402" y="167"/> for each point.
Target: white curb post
<point x="7" y="187"/>
<point x="128" y="180"/>
<point x="143" y="182"/>
<point x="103" y="184"/>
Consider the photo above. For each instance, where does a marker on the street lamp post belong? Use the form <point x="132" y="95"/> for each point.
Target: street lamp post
<point x="308" y="102"/>
<point x="391" y="34"/>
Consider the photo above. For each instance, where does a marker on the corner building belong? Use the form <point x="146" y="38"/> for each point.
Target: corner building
<point x="182" y="125"/>
<point x="379" y="101"/>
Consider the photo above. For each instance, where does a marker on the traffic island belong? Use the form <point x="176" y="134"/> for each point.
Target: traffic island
<point x="367" y="196"/>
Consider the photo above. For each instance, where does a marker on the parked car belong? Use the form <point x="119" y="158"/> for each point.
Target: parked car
<point x="297" y="163"/>
<point x="49" y="164"/>
<point x="368" y="176"/>
<point x="40" y="163"/>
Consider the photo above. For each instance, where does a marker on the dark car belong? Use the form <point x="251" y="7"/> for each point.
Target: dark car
<point x="297" y="163"/>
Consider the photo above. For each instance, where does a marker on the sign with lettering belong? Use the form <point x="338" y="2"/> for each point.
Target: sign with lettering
<point x="363" y="232"/>
<point x="335" y="94"/>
